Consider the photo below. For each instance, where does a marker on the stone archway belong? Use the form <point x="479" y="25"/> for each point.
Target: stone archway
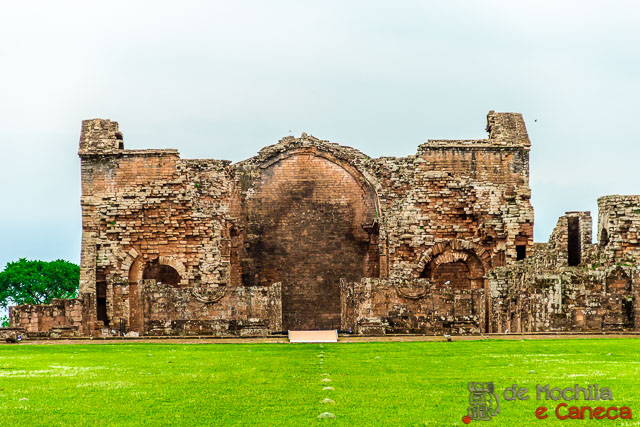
<point x="163" y="269"/>
<point x="458" y="269"/>
<point x="455" y="248"/>
<point x="461" y="265"/>
<point x="139" y="268"/>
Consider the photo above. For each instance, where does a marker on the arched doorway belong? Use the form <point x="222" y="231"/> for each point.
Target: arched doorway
<point x="162" y="270"/>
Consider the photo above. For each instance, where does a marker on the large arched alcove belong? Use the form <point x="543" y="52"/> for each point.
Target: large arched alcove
<point x="310" y="220"/>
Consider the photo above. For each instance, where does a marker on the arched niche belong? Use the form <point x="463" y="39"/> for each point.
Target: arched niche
<point x="457" y="249"/>
<point x="161" y="273"/>
<point x="457" y="269"/>
<point x="166" y="270"/>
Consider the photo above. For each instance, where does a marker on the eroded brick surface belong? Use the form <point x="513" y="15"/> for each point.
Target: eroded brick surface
<point x="312" y="234"/>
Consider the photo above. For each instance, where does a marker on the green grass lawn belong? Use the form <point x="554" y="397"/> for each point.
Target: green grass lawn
<point x="412" y="383"/>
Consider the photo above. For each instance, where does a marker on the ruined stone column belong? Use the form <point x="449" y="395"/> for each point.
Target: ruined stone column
<point x="99" y="140"/>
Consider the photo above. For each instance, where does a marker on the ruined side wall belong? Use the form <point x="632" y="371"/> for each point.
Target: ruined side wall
<point x="149" y="207"/>
<point x="475" y="191"/>
<point x="159" y="206"/>
<point x="526" y="298"/>
<point x="619" y="227"/>
<point x="62" y="315"/>
<point x="599" y="292"/>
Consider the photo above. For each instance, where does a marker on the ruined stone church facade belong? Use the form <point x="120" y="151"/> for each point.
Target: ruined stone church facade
<point x="310" y="234"/>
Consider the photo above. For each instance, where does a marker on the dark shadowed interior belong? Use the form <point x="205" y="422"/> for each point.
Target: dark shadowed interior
<point x="309" y="224"/>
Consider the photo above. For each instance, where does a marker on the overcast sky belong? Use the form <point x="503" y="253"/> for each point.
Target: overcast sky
<point x="224" y="79"/>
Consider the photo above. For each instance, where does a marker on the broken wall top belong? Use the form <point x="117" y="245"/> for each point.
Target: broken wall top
<point x="506" y="130"/>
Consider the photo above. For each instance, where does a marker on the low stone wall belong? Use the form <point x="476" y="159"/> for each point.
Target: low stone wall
<point x="10" y="333"/>
<point x="380" y="306"/>
<point x="216" y="327"/>
<point x="218" y="311"/>
<point x="62" y="314"/>
<point x="532" y="296"/>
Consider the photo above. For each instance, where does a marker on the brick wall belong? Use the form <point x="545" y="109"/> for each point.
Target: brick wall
<point x="61" y="314"/>
<point x="309" y="233"/>
<point x="303" y="223"/>
<point x="619" y="226"/>
<point x="545" y="292"/>
<point x="379" y="306"/>
<point x="304" y="213"/>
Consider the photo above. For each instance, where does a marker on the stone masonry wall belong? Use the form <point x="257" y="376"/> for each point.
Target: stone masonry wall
<point x="619" y="227"/>
<point x="300" y="222"/>
<point x="309" y="233"/>
<point x="379" y="306"/>
<point x="62" y="316"/>
<point x="600" y="293"/>
<point x="573" y="231"/>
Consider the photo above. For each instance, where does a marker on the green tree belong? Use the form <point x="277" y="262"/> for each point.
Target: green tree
<point x="38" y="282"/>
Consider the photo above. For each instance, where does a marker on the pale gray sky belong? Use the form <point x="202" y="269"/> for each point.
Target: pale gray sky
<point x="223" y="79"/>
